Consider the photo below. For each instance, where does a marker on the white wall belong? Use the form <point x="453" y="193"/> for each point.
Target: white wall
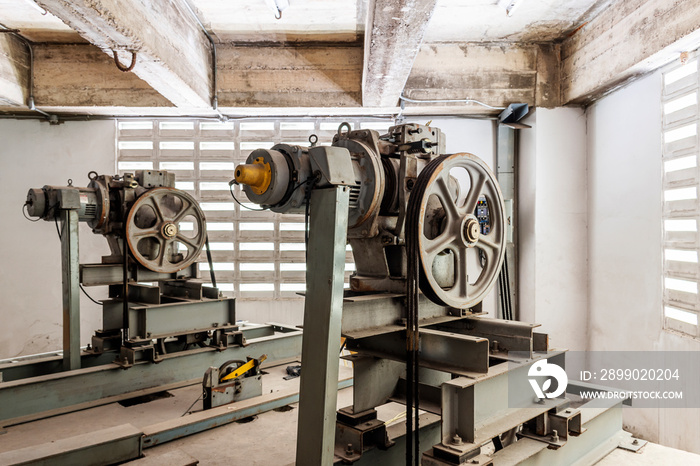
<point x="591" y="237"/>
<point x="552" y="216"/>
<point x="34" y="154"/>
<point x="625" y="245"/>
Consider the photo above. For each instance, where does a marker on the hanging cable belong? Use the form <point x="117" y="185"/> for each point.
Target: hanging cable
<point x="89" y="297"/>
<point x="24" y="212"/>
<point x="211" y="264"/>
<point x="215" y="96"/>
<point x="30" y="100"/>
<point x="230" y="188"/>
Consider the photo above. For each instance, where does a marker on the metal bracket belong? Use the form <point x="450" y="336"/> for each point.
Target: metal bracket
<point x="632" y="444"/>
<point x="357" y="433"/>
<point x="554" y="427"/>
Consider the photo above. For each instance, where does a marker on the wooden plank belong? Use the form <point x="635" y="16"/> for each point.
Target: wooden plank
<point x="393" y="36"/>
<point x="624" y="42"/>
<point x="81" y="75"/>
<point x="174" y="55"/>
<point x="496" y="74"/>
<point x="14" y="71"/>
<point x="306" y="76"/>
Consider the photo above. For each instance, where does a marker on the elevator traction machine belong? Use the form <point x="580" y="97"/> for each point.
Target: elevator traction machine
<point x="428" y="232"/>
<point x="161" y="326"/>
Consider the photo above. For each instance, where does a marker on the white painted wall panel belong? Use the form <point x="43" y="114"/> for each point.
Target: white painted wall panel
<point x="624" y="244"/>
<point x="34" y="154"/>
<point x="553" y="251"/>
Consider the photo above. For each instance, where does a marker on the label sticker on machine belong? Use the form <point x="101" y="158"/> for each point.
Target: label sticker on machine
<point x="83" y="198"/>
<point x="482" y="214"/>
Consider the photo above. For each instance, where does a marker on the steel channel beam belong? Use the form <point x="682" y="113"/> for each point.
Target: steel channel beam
<point x="375" y="380"/>
<point x="448" y="352"/>
<point x="113" y="274"/>
<point x="367" y="315"/>
<point x="510" y="335"/>
<point x="602" y="435"/>
<point x="323" y="308"/>
<point x="480" y="409"/>
<point x="71" y="292"/>
<point x="125" y="442"/>
<point x="102" y="447"/>
<point x="578" y="386"/>
<point x="37" y="397"/>
<point x="156" y="321"/>
<point x="49" y="365"/>
<point x="396" y="455"/>
<point x="30" y="366"/>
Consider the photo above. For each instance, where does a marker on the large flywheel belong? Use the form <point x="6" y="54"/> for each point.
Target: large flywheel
<point x="460" y="253"/>
<point x="166" y="230"/>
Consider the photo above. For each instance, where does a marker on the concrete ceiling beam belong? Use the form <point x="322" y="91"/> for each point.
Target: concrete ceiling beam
<point x="173" y="54"/>
<point x="627" y="40"/>
<point x="14" y="72"/>
<point x="249" y="76"/>
<point x="80" y="75"/>
<point x="496" y="74"/>
<point x="291" y="76"/>
<point x="393" y="36"/>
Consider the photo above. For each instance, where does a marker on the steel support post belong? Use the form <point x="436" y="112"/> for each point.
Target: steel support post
<point x="325" y="272"/>
<point x="507" y="179"/>
<point x="71" y="292"/>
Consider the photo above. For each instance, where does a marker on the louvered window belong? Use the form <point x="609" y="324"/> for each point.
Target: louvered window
<point x="681" y="211"/>
<point x="256" y="255"/>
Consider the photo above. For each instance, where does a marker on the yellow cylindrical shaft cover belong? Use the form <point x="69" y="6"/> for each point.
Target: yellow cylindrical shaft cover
<point x="257" y="175"/>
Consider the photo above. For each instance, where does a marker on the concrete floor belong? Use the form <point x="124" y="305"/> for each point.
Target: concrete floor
<point x="269" y="439"/>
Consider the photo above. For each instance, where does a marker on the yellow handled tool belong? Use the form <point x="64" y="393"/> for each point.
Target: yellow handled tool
<point x="245" y="368"/>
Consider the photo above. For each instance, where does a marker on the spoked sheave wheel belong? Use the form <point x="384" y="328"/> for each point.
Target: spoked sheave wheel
<point x="459" y="258"/>
<point x="166" y="230"/>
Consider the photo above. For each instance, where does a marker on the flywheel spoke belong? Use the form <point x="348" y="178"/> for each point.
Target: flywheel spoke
<point x="163" y="246"/>
<point x="474" y="192"/>
<point x="187" y="242"/>
<point x="447" y="199"/>
<point x="146" y="232"/>
<point x="189" y="210"/>
<point x="462" y="274"/>
<point x="487" y="245"/>
<point x="434" y="246"/>
<point x="156" y="207"/>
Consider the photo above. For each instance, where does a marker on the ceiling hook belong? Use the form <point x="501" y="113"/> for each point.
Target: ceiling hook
<point x="122" y="67"/>
<point x="279" y="14"/>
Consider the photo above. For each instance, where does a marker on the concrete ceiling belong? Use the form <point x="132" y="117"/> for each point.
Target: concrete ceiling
<point x="344" y="20"/>
<point x="486" y="21"/>
<point x="460" y="56"/>
<point x="35" y="23"/>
